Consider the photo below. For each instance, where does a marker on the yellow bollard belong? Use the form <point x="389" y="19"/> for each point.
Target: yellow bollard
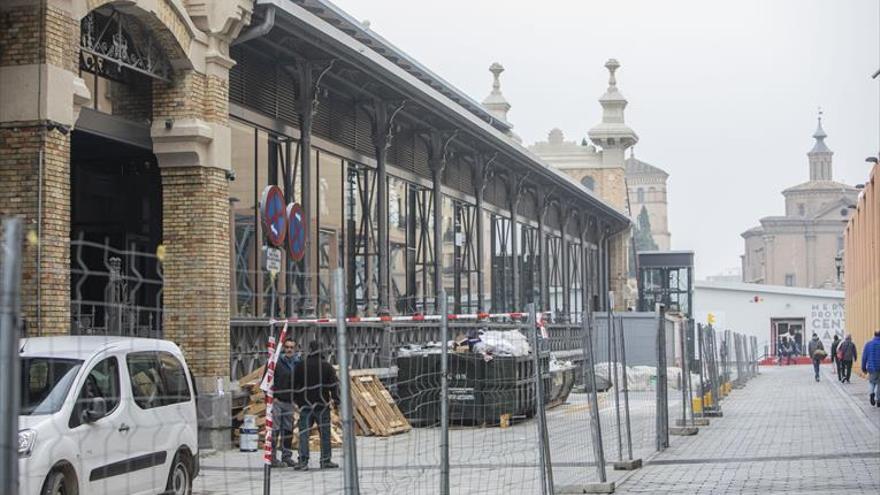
<point x="697" y="405"/>
<point x="707" y="399"/>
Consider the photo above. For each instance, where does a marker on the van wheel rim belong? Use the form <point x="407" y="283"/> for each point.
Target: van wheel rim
<point x="180" y="479"/>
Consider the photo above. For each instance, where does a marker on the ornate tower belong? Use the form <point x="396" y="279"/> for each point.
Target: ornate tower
<point x="820" y="155"/>
<point x="612" y="134"/>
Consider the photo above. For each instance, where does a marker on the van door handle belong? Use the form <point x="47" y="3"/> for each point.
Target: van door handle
<point x="123" y="428"/>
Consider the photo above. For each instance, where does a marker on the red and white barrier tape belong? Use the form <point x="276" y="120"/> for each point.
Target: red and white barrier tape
<point x="413" y="318"/>
<point x="266" y="387"/>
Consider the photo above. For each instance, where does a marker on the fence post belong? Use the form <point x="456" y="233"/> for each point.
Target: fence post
<point x="630" y="463"/>
<point x="351" y="484"/>
<point x="699" y="344"/>
<point x="662" y="406"/>
<point x="685" y="428"/>
<point x="544" y="447"/>
<point x="10" y="308"/>
<point x="613" y="365"/>
<point x="444" y="394"/>
<point x="590" y="380"/>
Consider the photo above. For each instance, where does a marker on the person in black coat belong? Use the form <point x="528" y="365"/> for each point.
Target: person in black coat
<point x="316" y="389"/>
<point x="834" y="360"/>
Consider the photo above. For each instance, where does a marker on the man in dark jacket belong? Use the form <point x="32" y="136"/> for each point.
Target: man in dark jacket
<point x="813" y="347"/>
<point x="316" y="388"/>
<point x="282" y="405"/>
<point x="871" y="366"/>
<point x="834" y="360"/>
<point x="848" y="354"/>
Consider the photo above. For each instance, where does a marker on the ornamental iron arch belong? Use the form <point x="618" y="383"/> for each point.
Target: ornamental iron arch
<point x="112" y="43"/>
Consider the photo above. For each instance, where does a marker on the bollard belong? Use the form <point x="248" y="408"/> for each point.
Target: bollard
<point x="350" y="470"/>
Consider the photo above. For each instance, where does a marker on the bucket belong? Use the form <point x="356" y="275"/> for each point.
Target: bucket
<point x="248" y="439"/>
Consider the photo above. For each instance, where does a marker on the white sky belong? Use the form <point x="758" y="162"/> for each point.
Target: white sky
<point x="723" y="95"/>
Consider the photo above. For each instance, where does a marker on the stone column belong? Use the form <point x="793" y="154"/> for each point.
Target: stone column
<point x="39" y="96"/>
<point x="192" y="142"/>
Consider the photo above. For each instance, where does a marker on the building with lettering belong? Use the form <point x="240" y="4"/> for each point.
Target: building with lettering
<point x="771" y="312"/>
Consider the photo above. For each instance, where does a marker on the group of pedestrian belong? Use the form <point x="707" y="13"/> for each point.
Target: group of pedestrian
<point x="308" y="385"/>
<point x="844" y="353"/>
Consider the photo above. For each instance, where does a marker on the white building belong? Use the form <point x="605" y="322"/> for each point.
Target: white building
<point x="771" y="311"/>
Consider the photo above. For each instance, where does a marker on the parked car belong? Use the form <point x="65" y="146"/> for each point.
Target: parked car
<point x="110" y="415"/>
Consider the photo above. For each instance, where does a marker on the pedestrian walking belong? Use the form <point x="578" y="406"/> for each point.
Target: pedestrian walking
<point x="834" y="361"/>
<point x="780" y="350"/>
<point x="871" y="366"/>
<point x="817" y="353"/>
<point x="788" y="350"/>
<point x="846" y="354"/>
<point x="317" y="389"/>
<point x="282" y="404"/>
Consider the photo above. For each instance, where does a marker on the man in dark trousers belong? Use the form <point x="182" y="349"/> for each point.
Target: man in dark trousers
<point x="316" y="388"/>
<point x="848" y="354"/>
<point x="834" y="360"/>
<point x="282" y="406"/>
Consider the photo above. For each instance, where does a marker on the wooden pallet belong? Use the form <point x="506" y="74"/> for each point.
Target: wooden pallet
<point x="375" y="409"/>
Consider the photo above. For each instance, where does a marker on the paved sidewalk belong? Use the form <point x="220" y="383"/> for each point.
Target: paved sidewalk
<point x="782" y="433"/>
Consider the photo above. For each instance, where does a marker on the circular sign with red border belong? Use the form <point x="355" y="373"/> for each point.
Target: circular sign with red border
<point x="296" y="232"/>
<point x="272" y="214"/>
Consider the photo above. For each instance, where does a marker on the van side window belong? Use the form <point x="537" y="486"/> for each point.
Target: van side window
<point x="147" y="386"/>
<point x="176" y="386"/>
<point x="101" y="382"/>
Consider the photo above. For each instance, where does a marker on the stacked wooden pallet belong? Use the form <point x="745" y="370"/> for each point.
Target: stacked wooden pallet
<point x="375" y="412"/>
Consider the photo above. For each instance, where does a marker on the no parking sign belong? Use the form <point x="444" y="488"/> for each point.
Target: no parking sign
<point x="272" y="213"/>
<point x="296" y="232"/>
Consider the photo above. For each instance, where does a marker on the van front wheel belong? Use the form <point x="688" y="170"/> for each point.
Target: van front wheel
<point x="180" y="479"/>
<point x="58" y="484"/>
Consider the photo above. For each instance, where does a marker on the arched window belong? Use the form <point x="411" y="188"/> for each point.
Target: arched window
<point x="640" y="195"/>
<point x="589" y="182"/>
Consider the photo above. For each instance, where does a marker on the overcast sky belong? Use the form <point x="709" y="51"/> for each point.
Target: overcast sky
<point x="723" y="95"/>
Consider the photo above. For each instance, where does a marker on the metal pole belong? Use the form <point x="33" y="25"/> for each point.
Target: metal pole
<point x="351" y="484"/>
<point x="544" y="448"/>
<point x="10" y="311"/>
<point x="612" y="356"/>
<point x="682" y="378"/>
<point x="629" y="441"/>
<point x="444" y="394"/>
<point x="699" y="339"/>
<point x="686" y="330"/>
<point x="590" y="380"/>
<point x="662" y="405"/>
<point x="267" y="469"/>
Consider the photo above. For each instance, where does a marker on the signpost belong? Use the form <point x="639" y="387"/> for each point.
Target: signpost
<point x="296" y="232"/>
<point x="272" y="260"/>
<point x="273" y="215"/>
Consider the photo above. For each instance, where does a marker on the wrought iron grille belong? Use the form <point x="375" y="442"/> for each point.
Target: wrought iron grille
<point x="555" y="283"/>
<point x="111" y="43"/>
<point x="502" y="264"/>
<point x="530" y="274"/>
<point x="363" y="255"/>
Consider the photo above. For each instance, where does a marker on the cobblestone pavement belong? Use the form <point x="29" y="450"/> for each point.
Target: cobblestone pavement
<point x="782" y="433"/>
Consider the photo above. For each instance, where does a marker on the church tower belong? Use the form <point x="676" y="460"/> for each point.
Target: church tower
<point x="820" y="155"/>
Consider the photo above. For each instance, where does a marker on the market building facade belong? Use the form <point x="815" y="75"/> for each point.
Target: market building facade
<point x="153" y="126"/>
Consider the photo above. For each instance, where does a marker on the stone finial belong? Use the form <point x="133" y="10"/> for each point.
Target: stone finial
<point x="496" y="69"/>
<point x="612" y="65"/>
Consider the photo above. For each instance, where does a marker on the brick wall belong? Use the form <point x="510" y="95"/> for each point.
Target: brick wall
<point x="195" y="228"/>
<point x="46" y="310"/>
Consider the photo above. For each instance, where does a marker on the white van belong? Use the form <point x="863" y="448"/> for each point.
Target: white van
<point x="110" y="415"/>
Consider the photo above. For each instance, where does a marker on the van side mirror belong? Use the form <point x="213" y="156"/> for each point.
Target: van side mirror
<point x="95" y="409"/>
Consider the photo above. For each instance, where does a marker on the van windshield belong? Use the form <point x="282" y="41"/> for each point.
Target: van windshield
<point x="45" y="382"/>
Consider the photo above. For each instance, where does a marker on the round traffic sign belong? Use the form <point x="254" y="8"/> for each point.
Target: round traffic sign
<point x="296" y="232"/>
<point x="272" y="213"/>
